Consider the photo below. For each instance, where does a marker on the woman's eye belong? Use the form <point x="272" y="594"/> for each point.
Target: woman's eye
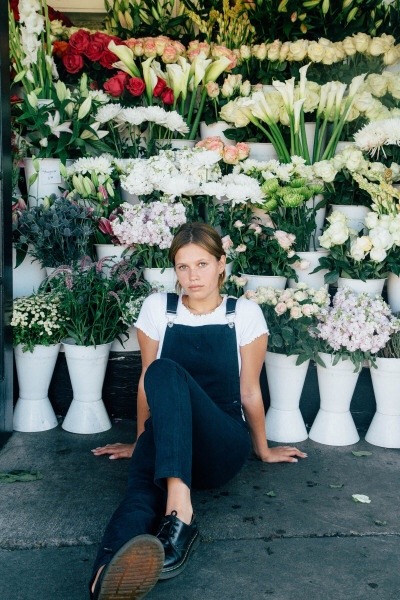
<point x="182" y="267"/>
<point x="202" y="265"/>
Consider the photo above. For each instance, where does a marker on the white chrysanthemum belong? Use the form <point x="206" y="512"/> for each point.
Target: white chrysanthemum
<point x="131" y="116"/>
<point x="108" y="112"/>
<point x="96" y="164"/>
<point x="174" y="122"/>
<point x="373" y="136"/>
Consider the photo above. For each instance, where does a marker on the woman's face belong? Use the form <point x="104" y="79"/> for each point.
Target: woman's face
<point x="197" y="271"/>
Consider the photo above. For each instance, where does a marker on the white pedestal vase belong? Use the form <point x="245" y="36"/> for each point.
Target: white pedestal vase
<point x="255" y="281"/>
<point x="161" y="279"/>
<point x="216" y="129"/>
<point x="319" y="219"/>
<point x="370" y="286"/>
<point x="262" y="151"/>
<point x="176" y="144"/>
<point x="334" y="425"/>
<point x="130" y="345"/>
<point x="384" y="429"/>
<point x="283" y="421"/>
<point x="393" y="292"/>
<point x="33" y="410"/>
<point x="310" y="260"/>
<point x="48" y="180"/>
<point x="355" y="214"/>
<point x="87" y="367"/>
<point x="27" y="277"/>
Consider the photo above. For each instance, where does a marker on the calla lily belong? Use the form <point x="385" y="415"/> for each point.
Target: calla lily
<point x="56" y="128"/>
<point x="198" y="69"/>
<point x="215" y="69"/>
<point x="62" y="90"/>
<point x="32" y="99"/>
<point x="303" y="80"/>
<point x="125" y="55"/>
<point x="286" y="90"/>
<point x="150" y="78"/>
<point x="297" y="109"/>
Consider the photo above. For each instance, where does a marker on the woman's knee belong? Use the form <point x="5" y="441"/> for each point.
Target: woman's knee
<point x="160" y="372"/>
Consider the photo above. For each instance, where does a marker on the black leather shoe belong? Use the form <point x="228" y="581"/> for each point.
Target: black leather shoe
<point x="133" y="571"/>
<point x="178" y="540"/>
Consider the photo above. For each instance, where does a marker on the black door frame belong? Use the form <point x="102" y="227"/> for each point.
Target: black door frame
<point x="6" y="349"/>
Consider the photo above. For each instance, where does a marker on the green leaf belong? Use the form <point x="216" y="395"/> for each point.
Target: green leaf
<point x="361" y="453"/>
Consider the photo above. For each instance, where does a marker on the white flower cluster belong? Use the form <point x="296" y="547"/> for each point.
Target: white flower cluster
<point x="298" y="302"/>
<point x="383" y="234"/>
<point x="357" y="322"/>
<point x="373" y="137"/>
<point x="36" y="319"/>
<point x="352" y="160"/>
<point x="31" y="27"/>
<point x="124" y="118"/>
<point x="148" y="224"/>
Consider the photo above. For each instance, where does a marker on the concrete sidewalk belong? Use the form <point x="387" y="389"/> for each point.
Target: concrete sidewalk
<point x="282" y="532"/>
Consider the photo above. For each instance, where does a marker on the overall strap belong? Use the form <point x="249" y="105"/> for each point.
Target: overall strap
<point x="172" y="307"/>
<point x="230" y="312"/>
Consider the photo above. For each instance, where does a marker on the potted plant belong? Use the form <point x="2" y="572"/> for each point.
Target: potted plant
<point x="289" y="314"/>
<point x="38" y="326"/>
<point x="93" y="305"/>
<point x="356" y="259"/>
<point x="351" y="332"/>
<point x="57" y="232"/>
<point x="384" y="429"/>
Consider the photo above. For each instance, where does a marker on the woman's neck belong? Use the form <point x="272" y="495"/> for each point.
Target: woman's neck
<point x="202" y="307"/>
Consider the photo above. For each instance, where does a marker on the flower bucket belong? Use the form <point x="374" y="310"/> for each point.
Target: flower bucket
<point x="112" y="254"/>
<point x="87" y="367"/>
<point x="176" y="144"/>
<point x="128" y="197"/>
<point x="161" y="279"/>
<point x="262" y="151"/>
<point x="48" y="181"/>
<point x="370" y="286"/>
<point x="384" y="429"/>
<point x="255" y="281"/>
<point x="283" y="421"/>
<point x="313" y="280"/>
<point x="334" y="425"/>
<point x="27" y="277"/>
<point x="216" y="129"/>
<point x="33" y="410"/>
<point x="130" y="345"/>
<point x="319" y="219"/>
<point x="393" y="292"/>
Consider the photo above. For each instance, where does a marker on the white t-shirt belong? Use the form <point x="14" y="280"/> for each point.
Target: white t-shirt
<point x="249" y="319"/>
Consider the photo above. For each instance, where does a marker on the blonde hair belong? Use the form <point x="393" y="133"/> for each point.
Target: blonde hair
<point x="202" y="235"/>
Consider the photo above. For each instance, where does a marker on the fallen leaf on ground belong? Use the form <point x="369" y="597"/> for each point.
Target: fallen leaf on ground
<point x="19" y="475"/>
<point x="361" y="453"/>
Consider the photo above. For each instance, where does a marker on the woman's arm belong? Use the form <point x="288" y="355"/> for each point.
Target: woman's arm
<point x="252" y="357"/>
<point x="148" y="350"/>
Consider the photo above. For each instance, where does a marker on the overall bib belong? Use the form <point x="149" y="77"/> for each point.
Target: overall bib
<point x="196" y="430"/>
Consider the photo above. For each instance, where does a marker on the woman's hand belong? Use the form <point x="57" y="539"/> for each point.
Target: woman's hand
<point x="281" y="454"/>
<point x="115" y="450"/>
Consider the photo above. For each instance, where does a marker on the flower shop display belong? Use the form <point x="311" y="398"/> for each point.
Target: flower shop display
<point x="38" y="325"/>
<point x="351" y="331"/>
<point x="384" y="429"/>
<point x="289" y="313"/>
<point x="57" y="232"/>
<point x="94" y="319"/>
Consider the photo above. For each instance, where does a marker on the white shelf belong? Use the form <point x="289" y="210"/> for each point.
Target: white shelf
<point x="75" y="6"/>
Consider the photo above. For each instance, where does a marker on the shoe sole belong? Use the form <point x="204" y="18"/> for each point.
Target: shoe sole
<point x="134" y="570"/>
<point x="174" y="571"/>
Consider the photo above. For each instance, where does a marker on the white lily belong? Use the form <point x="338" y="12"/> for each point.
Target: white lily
<point x="286" y="90"/>
<point x="215" y="69"/>
<point x="126" y="57"/>
<point x="150" y="78"/>
<point x="55" y="126"/>
<point x="198" y="69"/>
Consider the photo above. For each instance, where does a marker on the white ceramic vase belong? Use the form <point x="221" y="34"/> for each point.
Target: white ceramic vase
<point x="308" y="262"/>
<point x="216" y="129"/>
<point x="393" y="292"/>
<point x="262" y="151"/>
<point x="283" y="421"/>
<point x="176" y="144"/>
<point x="128" y="197"/>
<point x="161" y="279"/>
<point x="370" y="286"/>
<point x="320" y="214"/>
<point x="49" y="179"/>
<point x="130" y="345"/>
<point x="27" y="277"/>
<point x="255" y="281"/>
<point x="334" y="425"/>
<point x="87" y="367"/>
<point x="384" y="429"/>
<point x="355" y="214"/>
<point x="33" y="410"/>
<point x="112" y="254"/>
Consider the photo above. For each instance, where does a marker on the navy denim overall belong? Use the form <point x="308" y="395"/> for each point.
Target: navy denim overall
<point x="196" y="430"/>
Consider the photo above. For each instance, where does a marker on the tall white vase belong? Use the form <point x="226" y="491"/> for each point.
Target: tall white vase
<point x="176" y="144"/>
<point x="130" y="345"/>
<point x="355" y="214"/>
<point x="28" y="276"/>
<point x="370" y="286"/>
<point x="87" y="367"/>
<point x="262" y="151"/>
<point x="319" y="219"/>
<point x="33" y="410"/>
<point x="283" y="421"/>
<point x="216" y="129"/>
<point x="48" y="180"/>
<point x="255" y="281"/>
<point x="163" y="280"/>
<point x="393" y="292"/>
<point x="310" y="260"/>
<point x="334" y="424"/>
<point x="384" y="429"/>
